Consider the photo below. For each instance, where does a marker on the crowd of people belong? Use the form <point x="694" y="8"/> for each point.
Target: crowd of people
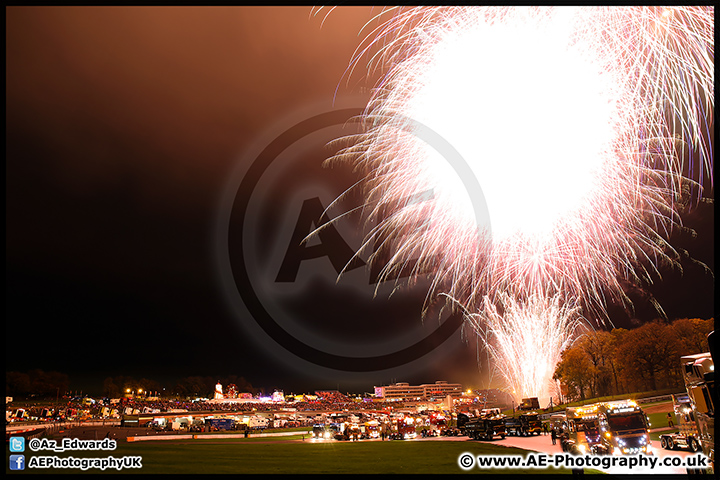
<point x="77" y="407"/>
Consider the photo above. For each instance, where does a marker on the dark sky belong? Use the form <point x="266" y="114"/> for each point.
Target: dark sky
<point x="131" y="134"/>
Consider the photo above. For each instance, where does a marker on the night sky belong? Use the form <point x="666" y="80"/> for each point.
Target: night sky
<point x="149" y="229"/>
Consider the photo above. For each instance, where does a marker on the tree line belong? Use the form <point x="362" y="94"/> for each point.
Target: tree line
<point x="602" y="363"/>
<point x="36" y="383"/>
<point x="40" y="384"/>
<point x="193" y="386"/>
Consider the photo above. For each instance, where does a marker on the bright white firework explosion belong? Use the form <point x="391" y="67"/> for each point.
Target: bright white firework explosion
<point x="573" y="120"/>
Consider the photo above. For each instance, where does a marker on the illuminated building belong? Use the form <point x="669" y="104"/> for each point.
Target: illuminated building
<point x="405" y="391"/>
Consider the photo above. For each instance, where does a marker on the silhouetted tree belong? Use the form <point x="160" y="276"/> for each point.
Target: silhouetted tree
<point x="36" y="383"/>
<point x="111" y="389"/>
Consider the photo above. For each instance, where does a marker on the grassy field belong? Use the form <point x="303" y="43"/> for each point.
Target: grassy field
<point x="241" y="456"/>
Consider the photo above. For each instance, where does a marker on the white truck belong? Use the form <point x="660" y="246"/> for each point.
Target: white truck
<point x="699" y="374"/>
<point x="687" y="434"/>
<point x="258" y="421"/>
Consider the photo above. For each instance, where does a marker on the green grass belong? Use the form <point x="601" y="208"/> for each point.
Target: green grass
<point x="659" y="420"/>
<point x="242" y="456"/>
<point x="624" y="396"/>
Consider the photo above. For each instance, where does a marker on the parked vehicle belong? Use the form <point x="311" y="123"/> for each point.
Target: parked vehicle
<point x="523" y="425"/>
<point x="623" y="428"/>
<point x="482" y="428"/>
<point x="699" y="375"/>
<point x="687" y="435"/>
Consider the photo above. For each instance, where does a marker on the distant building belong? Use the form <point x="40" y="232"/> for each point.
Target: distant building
<point x="405" y="391"/>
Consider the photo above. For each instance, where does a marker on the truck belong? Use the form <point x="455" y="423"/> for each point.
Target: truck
<point x="583" y="428"/>
<point x="216" y="424"/>
<point x="321" y="430"/>
<point x="258" y="422"/>
<point x="623" y="428"/>
<point x="339" y="431"/>
<point x="699" y="376"/>
<point x="370" y="429"/>
<point x="531" y="403"/>
<point x="403" y="429"/>
<point x="482" y="428"/>
<point x="558" y="422"/>
<point x="352" y="430"/>
<point x="687" y="434"/>
<point x="524" y="425"/>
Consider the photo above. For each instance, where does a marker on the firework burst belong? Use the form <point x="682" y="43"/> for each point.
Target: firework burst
<point x="518" y="334"/>
<point x="574" y="122"/>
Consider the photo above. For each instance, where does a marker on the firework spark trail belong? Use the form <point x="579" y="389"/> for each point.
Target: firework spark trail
<point x="572" y="120"/>
<point x="529" y="338"/>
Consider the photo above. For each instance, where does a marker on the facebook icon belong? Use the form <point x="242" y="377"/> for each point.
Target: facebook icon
<point x="17" y="462"/>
